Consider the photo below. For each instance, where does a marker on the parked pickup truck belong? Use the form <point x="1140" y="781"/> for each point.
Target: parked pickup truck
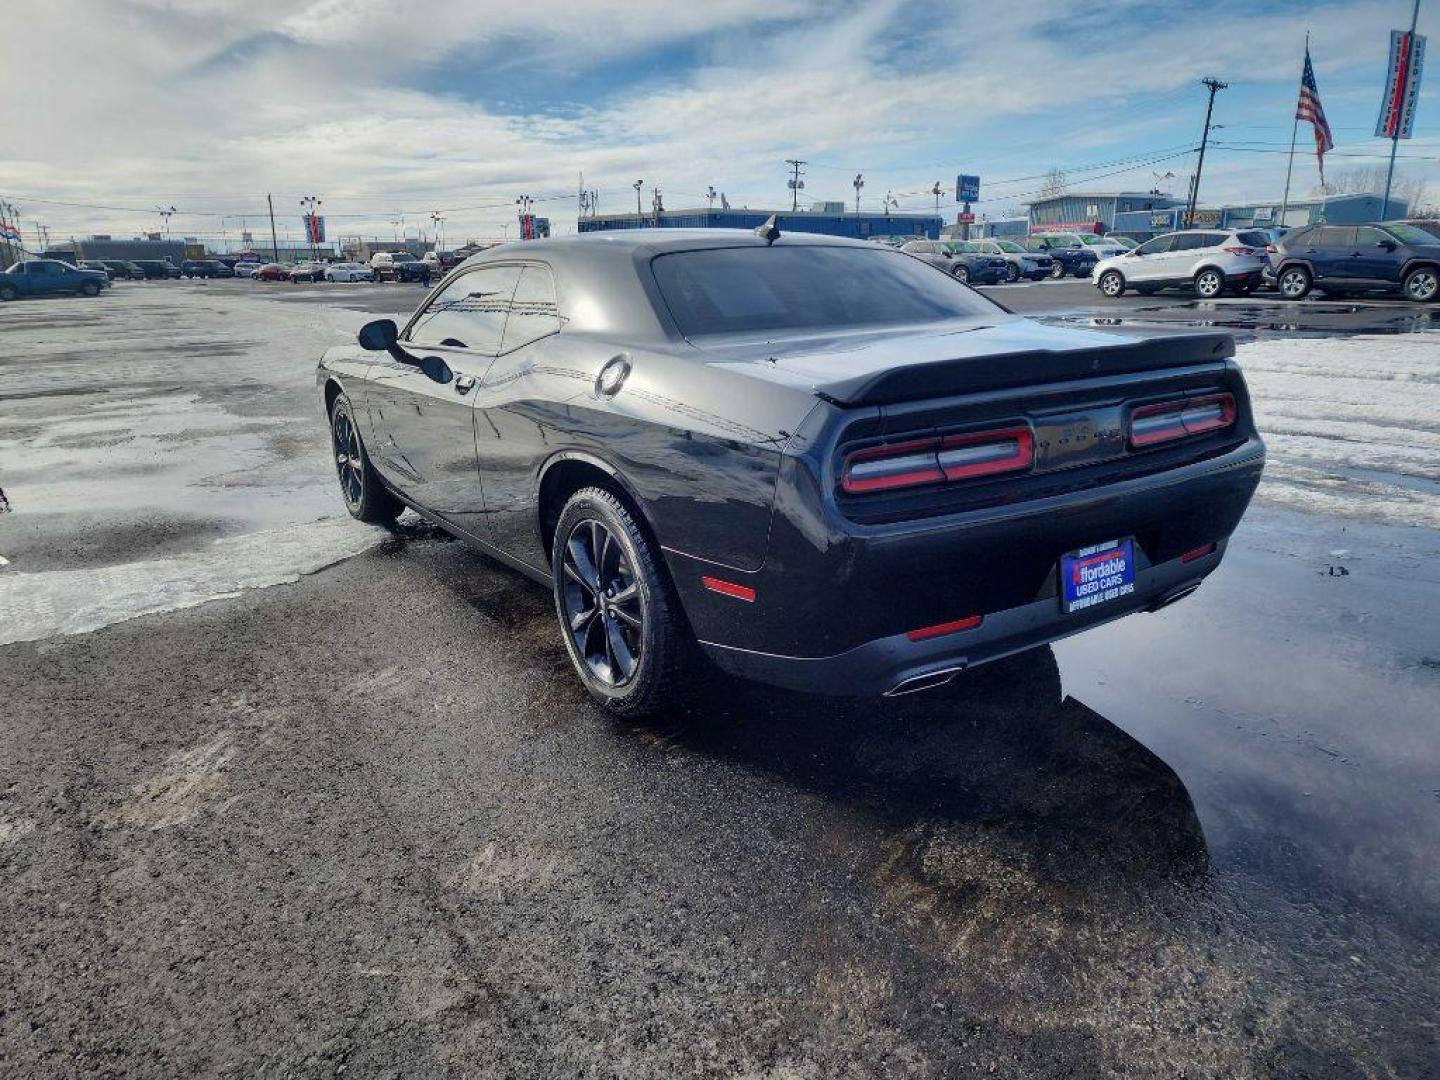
<point x="47" y="277"/>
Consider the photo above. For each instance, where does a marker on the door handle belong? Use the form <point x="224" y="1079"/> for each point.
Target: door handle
<point x="464" y="383"/>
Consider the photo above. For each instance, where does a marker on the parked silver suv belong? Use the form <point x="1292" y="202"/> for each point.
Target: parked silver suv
<point x="1206" y="260"/>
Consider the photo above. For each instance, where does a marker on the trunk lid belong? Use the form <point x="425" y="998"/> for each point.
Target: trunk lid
<point x="895" y="364"/>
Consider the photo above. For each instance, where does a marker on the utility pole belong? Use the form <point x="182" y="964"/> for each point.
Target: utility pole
<point x="657" y="204"/>
<point x="796" y="184"/>
<point x="936" y="192"/>
<point x="438" y="220"/>
<point x="1395" y="139"/>
<point x="710" y="195"/>
<point x="857" y="184"/>
<point x="274" y="240"/>
<point x="639" y="213"/>
<point x="165" y="218"/>
<point x="1213" y="84"/>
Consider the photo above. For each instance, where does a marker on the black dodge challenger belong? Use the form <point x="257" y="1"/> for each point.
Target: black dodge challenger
<point x="825" y="463"/>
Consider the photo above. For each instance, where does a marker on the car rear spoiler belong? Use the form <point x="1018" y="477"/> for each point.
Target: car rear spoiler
<point x="971" y="374"/>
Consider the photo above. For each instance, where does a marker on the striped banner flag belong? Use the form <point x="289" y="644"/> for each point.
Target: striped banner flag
<point x="1309" y="108"/>
<point x="1402" y="85"/>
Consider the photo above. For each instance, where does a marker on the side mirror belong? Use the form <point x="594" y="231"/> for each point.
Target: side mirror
<point x="436" y="368"/>
<point x="379" y="335"/>
<point x="1386" y="244"/>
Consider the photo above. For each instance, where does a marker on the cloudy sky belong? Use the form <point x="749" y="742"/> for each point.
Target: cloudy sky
<point x="389" y="109"/>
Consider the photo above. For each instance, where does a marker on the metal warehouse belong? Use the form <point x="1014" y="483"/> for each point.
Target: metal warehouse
<point x="1332" y="209"/>
<point x="860" y="226"/>
<point x="1093" y="211"/>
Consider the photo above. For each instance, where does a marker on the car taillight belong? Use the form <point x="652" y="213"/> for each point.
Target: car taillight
<point x="1169" y="420"/>
<point x="1271" y="249"/>
<point x="938" y="459"/>
<point x="1239" y="251"/>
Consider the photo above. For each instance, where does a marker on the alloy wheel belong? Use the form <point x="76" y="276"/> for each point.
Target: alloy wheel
<point x="1422" y="285"/>
<point x="962" y="273"/>
<point x="1208" y="284"/>
<point x="1057" y="270"/>
<point x="349" y="463"/>
<point x="600" y="596"/>
<point x="1111" y="284"/>
<point x="1294" y="284"/>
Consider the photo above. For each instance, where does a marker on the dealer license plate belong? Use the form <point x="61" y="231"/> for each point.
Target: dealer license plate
<point x="1097" y="575"/>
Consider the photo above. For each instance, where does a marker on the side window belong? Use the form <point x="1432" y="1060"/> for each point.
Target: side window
<point x="1214" y="239"/>
<point x="469" y="313"/>
<point x="1155" y="247"/>
<point x="534" y="312"/>
<point x="1189" y="242"/>
<point x="1371" y="237"/>
<point x="1330" y="237"/>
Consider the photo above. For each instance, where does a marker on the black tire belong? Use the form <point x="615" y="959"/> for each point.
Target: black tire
<point x="1209" y="283"/>
<point x="1422" y="284"/>
<point x="1294" y="283"/>
<point x="89" y="288"/>
<point x="634" y="655"/>
<point x="365" y="495"/>
<point x="1111" y="284"/>
<point x="7" y="293"/>
<point x="962" y="273"/>
<point x="1012" y="272"/>
<point x="1057" y="270"/>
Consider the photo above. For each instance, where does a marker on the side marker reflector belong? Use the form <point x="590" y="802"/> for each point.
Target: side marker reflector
<point x="729" y="588"/>
<point x="1197" y="553"/>
<point x="939" y="629"/>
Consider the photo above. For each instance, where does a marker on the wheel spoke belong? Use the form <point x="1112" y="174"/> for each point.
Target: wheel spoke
<point x="619" y="650"/>
<point x="633" y="621"/>
<point x="584" y="565"/>
<point x="628" y="593"/>
<point x="580" y="618"/>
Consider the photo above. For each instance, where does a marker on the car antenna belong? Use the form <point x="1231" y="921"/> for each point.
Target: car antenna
<point x="769" y="232"/>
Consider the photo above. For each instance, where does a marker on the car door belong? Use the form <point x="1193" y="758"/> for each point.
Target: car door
<point x="1327" y="249"/>
<point x="1146" y="263"/>
<point x="513" y="431"/>
<point x="422" y="415"/>
<point x="1375" y="258"/>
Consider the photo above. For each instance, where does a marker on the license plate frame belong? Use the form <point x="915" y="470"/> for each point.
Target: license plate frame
<point x="1097" y="575"/>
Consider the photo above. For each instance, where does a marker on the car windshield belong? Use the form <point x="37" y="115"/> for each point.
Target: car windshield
<point x="1010" y="246"/>
<point x="1412" y="234"/>
<point x="806" y="287"/>
<point x="1063" y="241"/>
<point x="1097" y="241"/>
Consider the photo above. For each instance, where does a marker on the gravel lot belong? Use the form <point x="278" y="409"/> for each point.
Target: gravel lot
<point x="284" y="796"/>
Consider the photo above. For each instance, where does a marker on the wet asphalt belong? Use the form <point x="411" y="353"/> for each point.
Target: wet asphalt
<point x="364" y="823"/>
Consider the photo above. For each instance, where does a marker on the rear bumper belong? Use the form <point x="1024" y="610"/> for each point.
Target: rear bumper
<point x="896" y="665"/>
<point x="832" y="606"/>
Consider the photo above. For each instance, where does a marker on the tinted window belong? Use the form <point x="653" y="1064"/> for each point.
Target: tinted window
<point x="1156" y="246"/>
<point x="469" y="313"/>
<point x="1190" y="242"/>
<point x="1253" y="239"/>
<point x="727" y="290"/>
<point x="1413" y="234"/>
<point x="1370" y="237"/>
<point x="534" y="312"/>
<point x="1329" y="236"/>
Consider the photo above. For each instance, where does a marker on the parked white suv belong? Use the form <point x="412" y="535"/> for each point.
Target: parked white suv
<point x="1206" y="260"/>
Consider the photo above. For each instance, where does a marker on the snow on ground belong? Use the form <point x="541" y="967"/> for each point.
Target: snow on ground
<point x="1352" y="424"/>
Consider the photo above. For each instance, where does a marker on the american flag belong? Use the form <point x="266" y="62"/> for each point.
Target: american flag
<point x="1309" y="108"/>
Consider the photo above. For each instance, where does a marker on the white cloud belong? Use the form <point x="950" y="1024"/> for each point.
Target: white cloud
<point x="208" y="104"/>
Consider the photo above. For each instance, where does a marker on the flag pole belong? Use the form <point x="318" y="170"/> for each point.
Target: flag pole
<point x="1294" y="130"/>
<point x="1395" y="139"/>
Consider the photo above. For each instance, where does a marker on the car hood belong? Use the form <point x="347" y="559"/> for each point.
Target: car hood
<point x="955" y="356"/>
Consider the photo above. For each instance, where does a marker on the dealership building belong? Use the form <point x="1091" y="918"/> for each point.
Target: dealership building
<point x="1141" y="215"/>
<point x="829" y="222"/>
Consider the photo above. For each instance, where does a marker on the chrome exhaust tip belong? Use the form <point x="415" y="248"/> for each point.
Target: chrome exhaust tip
<point x="929" y="680"/>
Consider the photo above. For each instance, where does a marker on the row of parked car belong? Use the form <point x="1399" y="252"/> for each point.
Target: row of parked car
<point x="1340" y="260"/>
<point x="994" y="260"/>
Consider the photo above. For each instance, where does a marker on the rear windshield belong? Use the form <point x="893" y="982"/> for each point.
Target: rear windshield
<point x="1253" y="239"/>
<point x="732" y="290"/>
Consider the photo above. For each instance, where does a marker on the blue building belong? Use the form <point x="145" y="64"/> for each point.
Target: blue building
<point x="859" y="226"/>
<point x="1330" y="209"/>
<point x="1092" y="211"/>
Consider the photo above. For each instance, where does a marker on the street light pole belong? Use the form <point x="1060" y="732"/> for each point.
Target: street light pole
<point x="857" y="184"/>
<point x="1213" y="84"/>
<point x="639" y="213"/>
